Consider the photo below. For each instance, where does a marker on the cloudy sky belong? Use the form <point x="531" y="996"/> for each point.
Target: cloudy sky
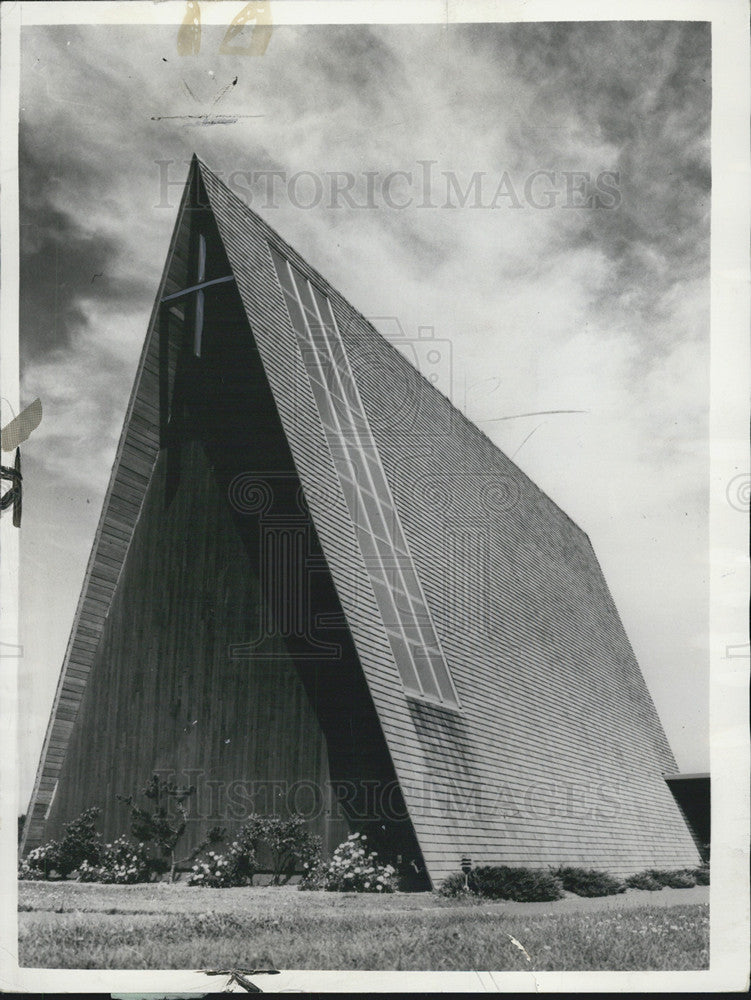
<point x="555" y="291"/>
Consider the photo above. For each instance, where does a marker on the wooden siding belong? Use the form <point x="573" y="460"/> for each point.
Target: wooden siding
<point x="557" y="755"/>
<point x="165" y="695"/>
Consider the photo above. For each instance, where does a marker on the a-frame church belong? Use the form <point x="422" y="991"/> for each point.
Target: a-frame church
<point x="316" y="587"/>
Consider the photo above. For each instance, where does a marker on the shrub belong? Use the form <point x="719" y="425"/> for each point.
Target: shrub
<point x="236" y="867"/>
<point x="40" y="863"/>
<point x="353" y="868"/>
<point x="526" y="885"/>
<point x="589" y="882"/>
<point x="701" y="874"/>
<point x="290" y="844"/>
<point x="643" y="880"/>
<point x="315" y="875"/>
<point x="454" y="885"/>
<point x="154" y="823"/>
<point x="80" y="842"/>
<point x="678" y="878"/>
<point x="243" y="853"/>
<point x="120" y="863"/>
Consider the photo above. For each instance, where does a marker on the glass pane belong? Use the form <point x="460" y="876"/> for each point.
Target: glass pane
<point x="303" y="290"/>
<point x="298" y="323"/>
<point x="323" y="308"/>
<point x="403" y="604"/>
<point x="442" y="676"/>
<point x="386" y="604"/>
<point x="404" y="663"/>
<point x="424" y="671"/>
<point x="325" y="410"/>
<point x="282" y="271"/>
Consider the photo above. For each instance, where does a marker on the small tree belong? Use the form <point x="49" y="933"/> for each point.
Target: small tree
<point x="80" y="842"/>
<point x="156" y="825"/>
<point x="288" y="842"/>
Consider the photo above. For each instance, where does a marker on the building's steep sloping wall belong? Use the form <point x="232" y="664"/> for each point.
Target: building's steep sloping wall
<point x="557" y="754"/>
<point x="563" y="754"/>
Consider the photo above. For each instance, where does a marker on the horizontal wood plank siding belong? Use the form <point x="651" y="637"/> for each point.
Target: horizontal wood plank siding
<point x="558" y="748"/>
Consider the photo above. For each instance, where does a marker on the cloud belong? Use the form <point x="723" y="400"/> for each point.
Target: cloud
<point x="66" y="259"/>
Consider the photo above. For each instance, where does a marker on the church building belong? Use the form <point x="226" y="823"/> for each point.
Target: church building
<point x="316" y="588"/>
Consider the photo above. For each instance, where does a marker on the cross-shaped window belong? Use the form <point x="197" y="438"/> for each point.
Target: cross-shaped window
<point x="187" y="307"/>
<point x="197" y="289"/>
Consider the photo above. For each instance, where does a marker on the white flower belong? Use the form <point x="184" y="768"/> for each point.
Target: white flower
<point x="379" y="888"/>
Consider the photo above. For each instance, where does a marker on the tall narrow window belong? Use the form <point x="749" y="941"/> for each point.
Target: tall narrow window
<point x="396" y="585"/>
<point x="200" y="278"/>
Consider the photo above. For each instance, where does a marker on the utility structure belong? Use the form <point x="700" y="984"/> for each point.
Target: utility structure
<point x="316" y="587"/>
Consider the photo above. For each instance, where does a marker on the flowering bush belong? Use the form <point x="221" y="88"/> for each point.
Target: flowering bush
<point x="353" y="868"/>
<point x="315" y="875"/>
<point x="236" y="867"/>
<point x="80" y="842"/>
<point x="40" y="863"/>
<point x="120" y="863"/>
<point x="289" y="843"/>
<point x="217" y="871"/>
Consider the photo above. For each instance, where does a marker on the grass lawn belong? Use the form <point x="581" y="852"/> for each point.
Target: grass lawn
<point x="161" y="926"/>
